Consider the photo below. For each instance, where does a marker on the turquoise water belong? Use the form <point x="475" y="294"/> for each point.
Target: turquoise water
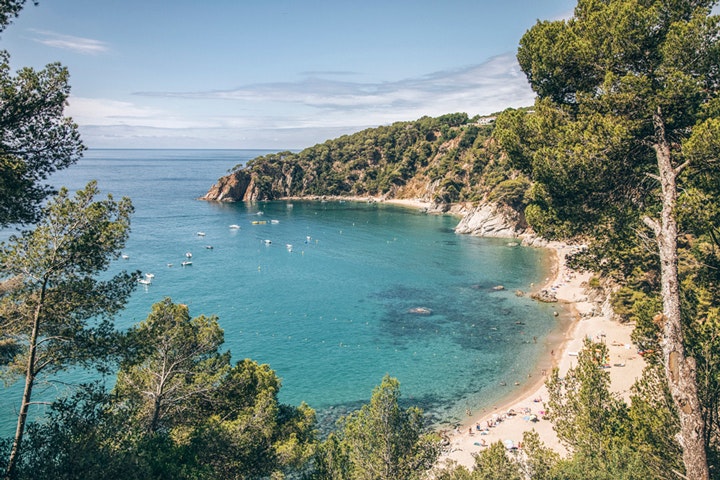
<point x="333" y="315"/>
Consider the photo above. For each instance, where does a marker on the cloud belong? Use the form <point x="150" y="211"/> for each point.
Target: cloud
<point x="297" y="114"/>
<point x="107" y="112"/>
<point x="483" y="88"/>
<point x="340" y="73"/>
<point x="85" y="46"/>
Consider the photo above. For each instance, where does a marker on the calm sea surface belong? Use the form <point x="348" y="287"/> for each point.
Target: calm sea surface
<point x="332" y="314"/>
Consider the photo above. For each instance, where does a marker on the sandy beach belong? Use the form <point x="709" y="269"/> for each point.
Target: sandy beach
<point x="527" y="406"/>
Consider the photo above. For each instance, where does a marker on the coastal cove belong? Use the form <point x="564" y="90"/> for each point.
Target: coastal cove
<point x="366" y="288"/>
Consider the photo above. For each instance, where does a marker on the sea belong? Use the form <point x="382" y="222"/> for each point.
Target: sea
<point x="332" y="295"/>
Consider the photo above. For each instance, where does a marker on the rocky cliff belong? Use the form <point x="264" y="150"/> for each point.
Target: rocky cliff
<point x="231" y="188"/>
<point x="491" y="220"/>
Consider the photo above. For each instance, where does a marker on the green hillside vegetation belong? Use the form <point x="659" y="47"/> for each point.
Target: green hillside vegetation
<point x="453" y="154"/>
<point x="620" y="152"/>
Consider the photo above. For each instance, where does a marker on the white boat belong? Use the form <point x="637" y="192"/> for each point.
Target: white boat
<point x="188" y="255"/>
<point x="234" y="227"/>
<point x="289" y="247"/>
<point x="267" y="242"/>
<point x="186" y="263"/>
<point x="124" y="257"/>
<point x="420" y="311"/>
<point x="274" y="221"/>
<point x="149" y="276"/>
<point x="144" y="281"/>
<point x="260" y="213"/>
<point x="200" y="234"/>
<point x="209" y="247"/>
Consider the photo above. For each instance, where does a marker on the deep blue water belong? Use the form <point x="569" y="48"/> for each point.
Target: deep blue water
<point x="331" y="317"/>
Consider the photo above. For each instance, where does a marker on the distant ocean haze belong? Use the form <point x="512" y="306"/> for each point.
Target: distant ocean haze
<point x="332" y="295"/>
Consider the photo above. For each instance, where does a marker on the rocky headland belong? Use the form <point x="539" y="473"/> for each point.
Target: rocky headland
<point x="449" y="164"/>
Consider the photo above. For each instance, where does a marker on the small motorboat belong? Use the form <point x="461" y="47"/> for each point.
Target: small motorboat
<point x="274" y="222"/>
<point x="200" y="234"/>
<point x="124" y="257"/>
<point x="420" y="311"/>
<point x="186" y="263"/>
<point x="209" y="247"/>
<point x="234" y="227"/>
<point x="267" y="242"/>
<point x="188" y="255"/>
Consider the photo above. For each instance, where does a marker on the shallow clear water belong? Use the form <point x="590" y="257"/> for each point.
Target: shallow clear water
<point x="333" y="315"/>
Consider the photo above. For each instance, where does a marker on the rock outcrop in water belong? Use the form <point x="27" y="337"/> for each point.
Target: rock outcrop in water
<point x="232" y="188"/>
<point x="491" y="220"/>
<point x="547" y="296"/>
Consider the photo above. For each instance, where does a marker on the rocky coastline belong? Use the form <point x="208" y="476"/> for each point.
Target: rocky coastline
<point x="485" y="219"/>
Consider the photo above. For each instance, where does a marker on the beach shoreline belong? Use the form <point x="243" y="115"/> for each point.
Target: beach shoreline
<point x="400" y="202"/>
<point x="522" y="411"/>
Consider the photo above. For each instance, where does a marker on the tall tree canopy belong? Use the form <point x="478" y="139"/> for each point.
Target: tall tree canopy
<point x="54" y="310"/>
<point x="177" y="361"/>
<point x="622" y="137"/>
<point x="379" y="441"/>
<point x="191" y="413"/>
<point x="36" y="139"/>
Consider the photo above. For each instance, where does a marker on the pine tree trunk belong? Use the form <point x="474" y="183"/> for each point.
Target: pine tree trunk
<point x="30" y="374"/>
<point x="679" y="369"/>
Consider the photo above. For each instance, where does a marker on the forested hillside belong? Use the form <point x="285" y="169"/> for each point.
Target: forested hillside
<point x="441" y="160"/>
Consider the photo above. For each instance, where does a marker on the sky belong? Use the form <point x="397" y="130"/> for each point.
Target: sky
<point x="275" y="74"/>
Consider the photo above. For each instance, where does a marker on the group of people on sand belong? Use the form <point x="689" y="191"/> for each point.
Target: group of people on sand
<point x="494" y="421"/>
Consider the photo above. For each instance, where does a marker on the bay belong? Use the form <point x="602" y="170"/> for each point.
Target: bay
<point x="366" y="289"/>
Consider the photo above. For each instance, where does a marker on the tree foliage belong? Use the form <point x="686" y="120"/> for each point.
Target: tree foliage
<point x="606" y="438"/>
<point x="175" y="362"/>
<point x="212" y="420"/>
<point x="35" y="138"/>
<point x="622" y="142"/>
<point x="57" y="312"/>
<point x="186" y="401"/>
<point x="10" y="10"/>
<point x="379" y="441"/>
<point x="585" y="415"/>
